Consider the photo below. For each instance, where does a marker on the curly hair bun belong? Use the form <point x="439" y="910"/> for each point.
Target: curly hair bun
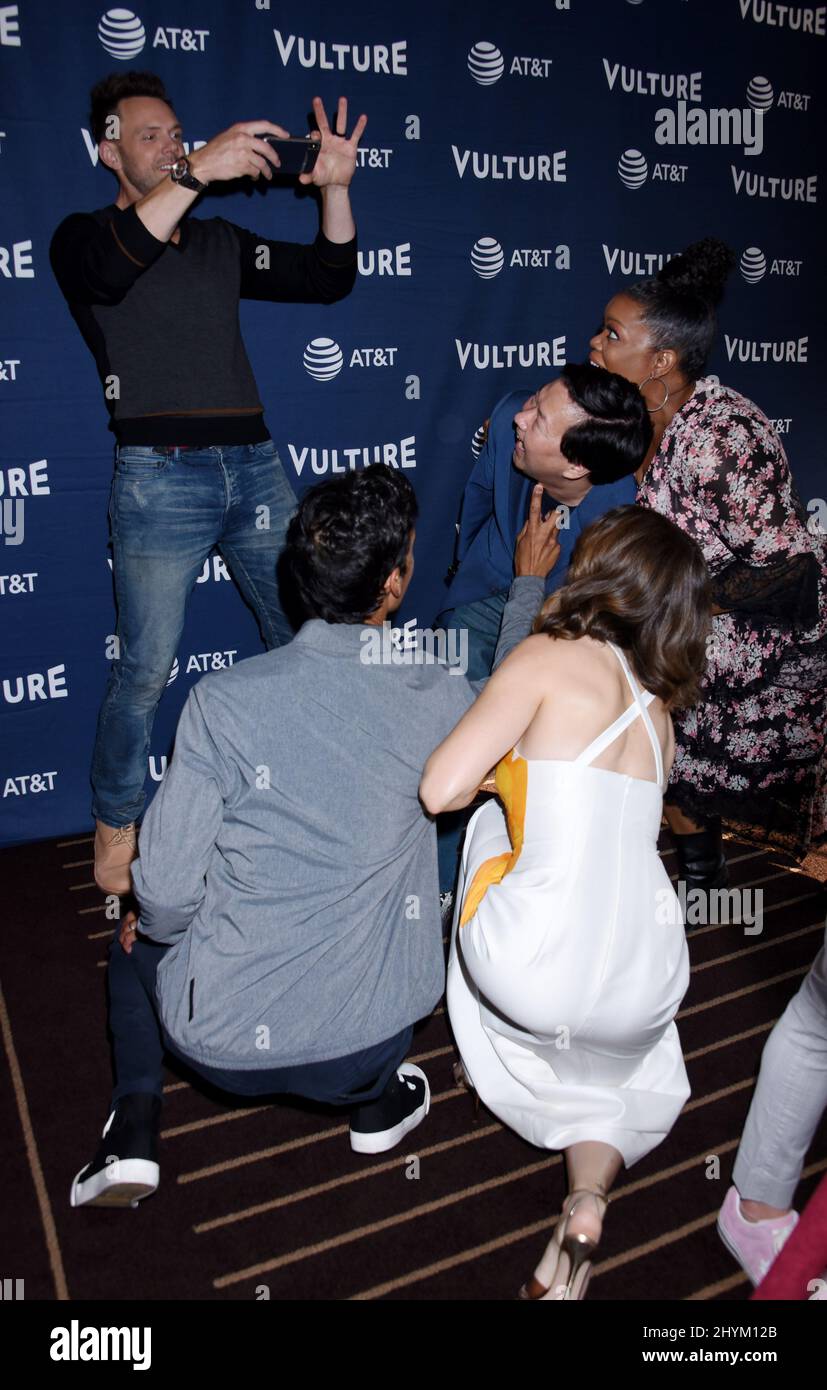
<point x="702" y="269"/>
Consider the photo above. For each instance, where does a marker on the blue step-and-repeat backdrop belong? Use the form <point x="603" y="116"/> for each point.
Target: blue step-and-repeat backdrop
<point x="519" y="166"/>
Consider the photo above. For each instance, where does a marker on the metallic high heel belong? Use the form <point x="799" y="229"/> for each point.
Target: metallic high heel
<point x="578" y="1248"/>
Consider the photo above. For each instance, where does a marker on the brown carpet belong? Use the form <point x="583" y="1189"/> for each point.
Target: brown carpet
<point x="270" y="1200"/>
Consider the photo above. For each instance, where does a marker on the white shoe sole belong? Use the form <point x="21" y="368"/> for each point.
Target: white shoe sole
<point x="137" y="1178"/>
<point x="385" y="1139"/>
<point x="734" y="1253"/>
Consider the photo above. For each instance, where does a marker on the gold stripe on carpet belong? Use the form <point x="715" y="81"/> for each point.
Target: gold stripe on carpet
<point x="35" y="1166"/>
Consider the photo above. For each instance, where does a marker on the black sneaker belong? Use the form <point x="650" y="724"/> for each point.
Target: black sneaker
<point x="404" y="1103"/>
<point x="125" y="1167"/>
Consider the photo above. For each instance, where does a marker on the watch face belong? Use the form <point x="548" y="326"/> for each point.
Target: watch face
<point x="180" y="168"/>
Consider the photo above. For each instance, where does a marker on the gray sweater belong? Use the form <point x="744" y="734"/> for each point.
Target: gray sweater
<point x="287" y="856"/>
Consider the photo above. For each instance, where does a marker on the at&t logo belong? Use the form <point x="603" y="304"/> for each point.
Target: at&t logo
<point x="30" y="782"/>
<point x="323" y="358"/>
<point x="488" y="257"/>
<point x="794" y="101"/>
<point x="753" y="265"/>
<point x="123" y="36"/>
<point x="202" y="662"/>
<point x="18" y="583"/>
<point x="486" y="64"/>
<point x="760" y="94"/>
<point x="633" y="170"/>
<point x="210" y="661"/>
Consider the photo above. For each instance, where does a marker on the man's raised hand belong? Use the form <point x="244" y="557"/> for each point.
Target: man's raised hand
<point x="337" y="158"/>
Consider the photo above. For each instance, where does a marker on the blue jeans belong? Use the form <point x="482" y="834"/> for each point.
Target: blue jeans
<point x="481" y="619"/>
<point x="169" y="508"/>
<point x="138" y="1045"/>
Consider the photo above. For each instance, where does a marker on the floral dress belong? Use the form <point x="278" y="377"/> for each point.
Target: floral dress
<point x="752" y="749"/>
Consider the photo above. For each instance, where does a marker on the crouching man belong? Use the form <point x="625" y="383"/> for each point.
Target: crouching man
<point x="289" y="933"/>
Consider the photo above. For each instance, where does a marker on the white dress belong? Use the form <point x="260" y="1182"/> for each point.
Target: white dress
<point x="566" y="975"/>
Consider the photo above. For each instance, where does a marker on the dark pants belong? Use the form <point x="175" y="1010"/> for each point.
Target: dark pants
<point x="139" y="1044"/>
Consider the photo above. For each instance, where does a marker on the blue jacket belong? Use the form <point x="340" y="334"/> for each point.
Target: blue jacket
<point x="495" y="506"/>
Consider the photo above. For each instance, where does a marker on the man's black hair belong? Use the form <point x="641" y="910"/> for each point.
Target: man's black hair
<point x="106" y="94"/>
<point x="347" y="536"/>
<point x="613" y="441"/>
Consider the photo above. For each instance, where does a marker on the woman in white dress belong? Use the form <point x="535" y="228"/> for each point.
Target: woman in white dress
<point x="568" y="960"/>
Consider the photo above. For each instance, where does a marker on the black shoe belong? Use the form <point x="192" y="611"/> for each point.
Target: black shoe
<point x="125" y="1167"/>
<point x="702" y="867"/>
<point x="404" y="1103"/>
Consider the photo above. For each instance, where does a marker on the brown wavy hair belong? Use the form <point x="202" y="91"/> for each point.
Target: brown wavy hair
<point x="635" y="579"/>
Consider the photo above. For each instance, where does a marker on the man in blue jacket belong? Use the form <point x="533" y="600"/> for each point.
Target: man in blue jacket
<point x="582" y="436"/>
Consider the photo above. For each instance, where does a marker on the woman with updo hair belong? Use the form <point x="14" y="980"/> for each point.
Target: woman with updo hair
<point x="752" y="750"/>
<point x="569" y="959"/>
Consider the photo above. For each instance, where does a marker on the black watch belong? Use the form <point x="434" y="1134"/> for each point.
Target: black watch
<point x="180" y="173"/>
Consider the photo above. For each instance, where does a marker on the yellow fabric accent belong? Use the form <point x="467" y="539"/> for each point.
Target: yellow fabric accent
<point x="512" y="788"/>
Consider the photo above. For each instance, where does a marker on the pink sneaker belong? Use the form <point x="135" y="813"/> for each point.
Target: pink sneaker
<point x="754" y="1244"/>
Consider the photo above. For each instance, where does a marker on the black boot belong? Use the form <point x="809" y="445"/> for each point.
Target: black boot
<point x="702" y="868"/>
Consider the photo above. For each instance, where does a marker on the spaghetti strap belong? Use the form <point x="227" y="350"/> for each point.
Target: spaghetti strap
<point x="601" y="743"/>
<point x="643" y="699"/>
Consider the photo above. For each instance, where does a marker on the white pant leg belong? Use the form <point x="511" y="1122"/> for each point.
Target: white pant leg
<point x="790" y="1096"/>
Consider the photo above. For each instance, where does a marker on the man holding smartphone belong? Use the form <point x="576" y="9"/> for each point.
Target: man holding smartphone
<point x="156" y="299"/>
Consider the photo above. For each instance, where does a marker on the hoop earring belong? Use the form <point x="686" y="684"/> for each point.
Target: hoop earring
<point x="653" y="410"/>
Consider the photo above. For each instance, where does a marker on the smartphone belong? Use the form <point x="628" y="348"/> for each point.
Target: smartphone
<point x="297" y="154"/>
